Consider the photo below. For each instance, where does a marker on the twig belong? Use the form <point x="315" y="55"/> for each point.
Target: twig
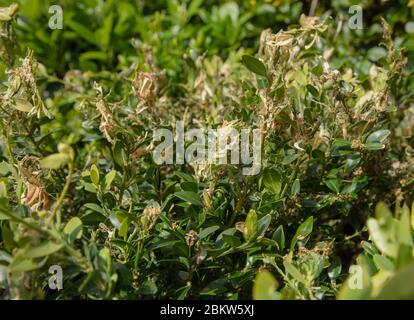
<point x="63" y="194"/>
<point x="312" y="10"/>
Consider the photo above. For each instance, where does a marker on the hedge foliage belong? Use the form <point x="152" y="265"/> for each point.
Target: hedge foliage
<point x="79" y="187"/>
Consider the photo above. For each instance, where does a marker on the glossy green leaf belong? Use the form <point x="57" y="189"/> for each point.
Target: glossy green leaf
<point x="74" y="228"/>
<point x="272" y="180"/>
<point x="207" y="231"/>
<point x="190" y="197"/>
<point x="279" y="237"/>
<point x="302" y="232"/>
<point x="254" y="65"/>
<point x="378" y="136"/>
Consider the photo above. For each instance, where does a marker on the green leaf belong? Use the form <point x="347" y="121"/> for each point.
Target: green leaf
<point x="105" y="258"/>
<point x="93" y="55"/>
<point x="22" y="264"/>
<point x="55" y="161"/>
<point x="88" y="186"/>
<point x="207" y="231"/>
<point x="293" y="271"/>
<point x="5" y="168"/>
<point x="43" y="250"/>
<point x="82" y="31"/>
<point x="383" y="263"/>
<point x="335" y="268"/>
<point x="383" y="213"/>
<point x="94" y="207"/>
<point x="119" y="155"/>
<point x="94" y="175"/>
<point x="231" y="240"/>
<point x="7" y="237"/>
<point x="264" y="287"/>
<point x="185" y="176"/>
<point x="302" y="232"/>
<point x="123" y="228"/>
<point x="399" y="287"/>
<point x="404" y="233"/>
<point x="272" y="181"/>
<point x="254" y="65"/>
<point x="288" y="159"/>
<point x="263" y="224"/>
<point x="404" y="256"/>
<point x="412" y="216"/>
<point x="109" y="178"/>
<point x="334" y="185"/>
<point x="383" y="237"/>
<point x="190" y="197"/>
<point x="295" y="189"/>
<point x="313" y="91"/>
<point x="352" y="161"/>
<point x="300" y="78"/>
<point x="376" y="53"/>
<point x="181" y="293"/>
<point x="4" y="256"/>
<point x="3" y="190"/>
<point x="378" y="136"/>
<point x="369" y="248"/>
<point x="251" y="225"/>
<point x="193" y="8"/>
<point x="74" y="229"/>
<point x="22" y="105"/>
<point x="148" y="288"/>
<point x="279" y="237"/>
<point x="374" y="146"/>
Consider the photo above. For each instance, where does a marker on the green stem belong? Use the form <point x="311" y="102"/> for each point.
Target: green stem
<point x="62" y="196"/>
<point x="292" y="176"/>
<point x="16" y="218"/>
<point x="8" y="147"/>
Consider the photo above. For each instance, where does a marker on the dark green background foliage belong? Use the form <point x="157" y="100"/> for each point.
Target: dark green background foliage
<point x="79" y="187"/>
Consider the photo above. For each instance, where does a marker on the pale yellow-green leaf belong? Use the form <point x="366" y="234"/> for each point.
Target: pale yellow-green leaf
<point x="3" y="190"/>
<point x="109" y="178"/>
<point x="412" y="216"/>
<point x="264" y="287"/>
<point x="293" y="271"/>
<point x="74" y="228"/>
<point x="123" y="228"/>
<point x="22" y="265"/>
<point x="42" y="250"/>
<point x="94" y="175"/>
<point x="54" y="161"/>
<point x="384" y="237"/>
<point x="404" y="234"/>
<point x="400" y="286"/>
<point x="383" y="213"/>
<point x="22" y="105"/>
<point x="378" y="281"/>
<point x="251" y="225"/>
